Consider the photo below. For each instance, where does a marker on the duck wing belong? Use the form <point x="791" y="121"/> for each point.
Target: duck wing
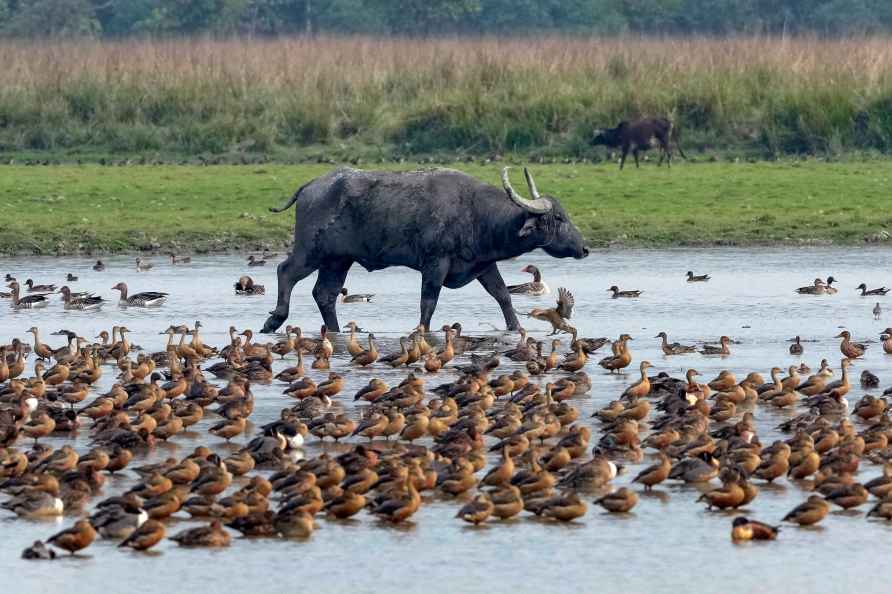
<point x="565" y="303"/>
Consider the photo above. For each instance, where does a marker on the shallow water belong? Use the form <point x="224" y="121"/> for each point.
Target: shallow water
<point x="667" y="544"/>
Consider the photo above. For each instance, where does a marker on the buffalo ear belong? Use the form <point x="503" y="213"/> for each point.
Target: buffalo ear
<point x="528" y="227"/>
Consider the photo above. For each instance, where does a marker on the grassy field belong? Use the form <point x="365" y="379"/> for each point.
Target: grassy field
<point x="344" y="98"/>
<point x="91" y="208"/>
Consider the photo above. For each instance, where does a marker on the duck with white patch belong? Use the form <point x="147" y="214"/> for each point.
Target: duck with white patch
<point x="534" y="288"/>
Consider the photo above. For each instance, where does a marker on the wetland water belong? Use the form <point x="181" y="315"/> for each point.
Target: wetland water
<point x="668" y="544"/>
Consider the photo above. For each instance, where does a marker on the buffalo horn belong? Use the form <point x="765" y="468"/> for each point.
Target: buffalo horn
<point x="537" y="205"/>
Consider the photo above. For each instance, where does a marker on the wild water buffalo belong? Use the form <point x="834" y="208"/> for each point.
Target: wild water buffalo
<point x="445" y="224"/>
<point x="638" y="136"/>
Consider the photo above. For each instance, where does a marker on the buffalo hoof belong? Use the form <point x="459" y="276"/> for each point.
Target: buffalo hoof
<point x="273" y="323"/>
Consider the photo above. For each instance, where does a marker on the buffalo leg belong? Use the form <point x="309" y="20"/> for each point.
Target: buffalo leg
<point x="635" y="154"/>
<point x="665" y="151"/>
<point x="492" y="281"/>
<point x="289" y="272"/>
<point x="622" y="159"/>
<point x="431" y="284"/>
<point x="328" y="287"/>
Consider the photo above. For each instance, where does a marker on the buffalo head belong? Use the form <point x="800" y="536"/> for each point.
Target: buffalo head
<point x="547" y="224"/>
<point x="611" y="137"/>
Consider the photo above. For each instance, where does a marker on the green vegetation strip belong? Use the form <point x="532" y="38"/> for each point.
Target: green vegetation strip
<point x="96" y="209"/>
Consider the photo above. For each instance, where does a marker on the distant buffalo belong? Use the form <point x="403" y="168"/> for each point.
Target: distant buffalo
<point x="639" y="136"/>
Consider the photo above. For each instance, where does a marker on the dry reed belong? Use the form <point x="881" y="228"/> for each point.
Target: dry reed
<point x="537" y="96"/>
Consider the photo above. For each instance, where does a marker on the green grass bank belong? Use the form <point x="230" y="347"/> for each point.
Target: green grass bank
<point x="104" y="209"/>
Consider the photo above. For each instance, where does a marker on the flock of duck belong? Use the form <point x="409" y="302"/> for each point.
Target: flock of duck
<point x="500" y="435"/>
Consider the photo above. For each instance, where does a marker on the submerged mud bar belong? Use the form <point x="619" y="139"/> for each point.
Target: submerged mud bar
<point x="445" y="224"/>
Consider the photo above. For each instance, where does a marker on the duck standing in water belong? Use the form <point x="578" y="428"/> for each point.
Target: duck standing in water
<point x="357" y="298"/>
<point x="534" y="288"/>
<point x="877" y="311"/>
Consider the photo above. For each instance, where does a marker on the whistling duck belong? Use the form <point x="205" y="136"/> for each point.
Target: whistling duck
<point x="353" y="346"/>
<point x="558" y="315"/>
<point x="883" y="509"/>
<point x="564" y="508"/>
<point x="850" y="349"/>
<point x="654" y="474"/>
<point x="147" y="535"/>
<point x="641" y="388"/>
<point x="28" y="301"/>
<point x="723" y="349"/>
<point x="357" y="298"/>
<point x="697" y="278"/>
<point x="796" y="347"/>
<point x="283" y="347"/>
<point x="674" y="348"/>
<point x="729" y="495"/>
<point x="432" y="363"/>
<point x="367" y="356"/>
<point x="476" y="511"/>
<point x="332" y="386"/>
<point x="622" y="356"/>
<point x="88" y="302"/>
<point x="507" y="501"/>
<point x="881" y="486"/>
<point x="252" y="261"/>
<point x="144" y="299"/>
<point x="628" y="294"/>
<point x="619" y="502"/>
<point x="294" y="523"/>
<point x="372" y="391"/>
<point x="849" y="496"/>
<point x="743" y="529"/>
<point x="416" y="427"/>
<point x="398" y="506"/>
<point x="399" y="358"/>
<point x="448" y="352"/>
<point x="74" y="539"/>
<point x="212" y="535"/>
<point x="229" y="428"/>
<point x="877" y="311"/>
<point x="533" y="288"/>
<point x="345" y="505"/>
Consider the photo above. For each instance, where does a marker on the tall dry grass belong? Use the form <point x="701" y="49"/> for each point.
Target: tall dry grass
<point x="540" y="96"/>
